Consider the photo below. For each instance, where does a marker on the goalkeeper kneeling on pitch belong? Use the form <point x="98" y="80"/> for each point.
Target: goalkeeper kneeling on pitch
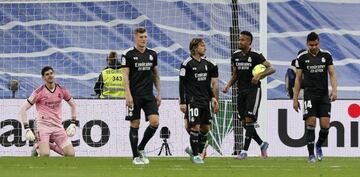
<point x="48" y="100"/>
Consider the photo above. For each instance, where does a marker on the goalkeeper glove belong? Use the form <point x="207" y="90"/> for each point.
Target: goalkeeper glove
<point x="29" y="135"/>
<point x="70" y="131"/>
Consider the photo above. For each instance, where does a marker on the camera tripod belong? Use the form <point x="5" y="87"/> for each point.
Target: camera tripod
<point x="166" y="148"/>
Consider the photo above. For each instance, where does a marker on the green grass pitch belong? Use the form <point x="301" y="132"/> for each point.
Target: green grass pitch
<point x="177" y="167"/>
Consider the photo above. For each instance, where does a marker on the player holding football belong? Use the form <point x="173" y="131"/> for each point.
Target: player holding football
<point x="315" y="64"/>
<point x="48" y="100"/>
<point x="199" y="91"/>
<point x="249" y="89"/>
<point x="141" y="73"/>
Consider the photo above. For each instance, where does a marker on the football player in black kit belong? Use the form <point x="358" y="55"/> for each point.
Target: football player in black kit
<point x="315" y="64"/>
<point x="249" y="89"/>
<point x="141" y="73"/>
<point x="199" y="92"/>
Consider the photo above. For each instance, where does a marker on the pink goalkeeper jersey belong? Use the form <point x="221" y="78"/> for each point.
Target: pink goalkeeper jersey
<point x="48" y="104"/>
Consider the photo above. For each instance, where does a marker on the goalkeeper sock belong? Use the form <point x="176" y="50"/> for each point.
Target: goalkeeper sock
<point x="148" y="134"/>
<point x="310" y="138"/>
<point x="257" y="138"/>
<point x="133" y="135"/>
<point x="202" y="141"/>
<point x="323" y="134"/>
<point x="194" y="142"/>
<point x="248" y="135"/>
<point x="56" y="149"/>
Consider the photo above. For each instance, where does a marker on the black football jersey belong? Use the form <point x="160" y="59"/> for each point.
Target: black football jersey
<point x="244" y="63"/>
<point x="140" y="70"/>
<point x="195" y="79"/>
<point x="315" y="71"/>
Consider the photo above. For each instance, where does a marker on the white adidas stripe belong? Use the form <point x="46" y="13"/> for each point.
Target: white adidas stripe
<point x="257" y="100"/>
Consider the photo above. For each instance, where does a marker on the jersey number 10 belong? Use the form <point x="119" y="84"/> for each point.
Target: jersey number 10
<point x="194" y="112"/>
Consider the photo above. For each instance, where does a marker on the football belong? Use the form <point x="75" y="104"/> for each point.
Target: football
<point x="258" y="69"/>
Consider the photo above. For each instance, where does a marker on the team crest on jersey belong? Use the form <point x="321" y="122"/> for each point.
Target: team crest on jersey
<point x="323" y="59"/>
<point x="236" y="59"/>
<point x="151" y="58"/>
<point x="307" y="61"/>
<point x="59" y="95"/>
<point x="182" y="72"/>
<point x="135" y="58"/>
<point x="194" y="68"/>
<point x="249" y="59"/>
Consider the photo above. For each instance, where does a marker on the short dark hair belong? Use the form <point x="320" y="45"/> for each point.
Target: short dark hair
<point x="247" y="33"/>
<point x="312" y="37"/>
<point x="140" y="30"/>
<point x="46" y="68"/>
<point x="112" y="55"/>
<point x="194" y="43"/>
